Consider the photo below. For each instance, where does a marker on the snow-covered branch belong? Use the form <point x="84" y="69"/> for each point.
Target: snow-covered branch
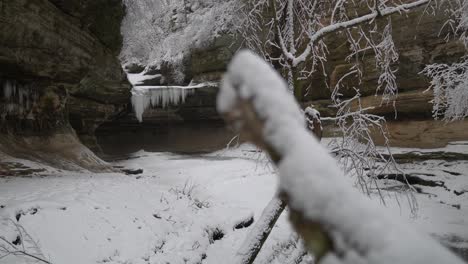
<point x="450" y="86"/>
<point x="292" y="36"/>
<point x="449" y="82"/>
<point x="325" y="209"/>
<point x="258" y="235"/>
<point x="21" y="247"/>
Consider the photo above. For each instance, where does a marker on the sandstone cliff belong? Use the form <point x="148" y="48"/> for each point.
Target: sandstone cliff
<point x="59" y="71"/>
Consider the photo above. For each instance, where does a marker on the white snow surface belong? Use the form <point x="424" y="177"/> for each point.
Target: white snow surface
<point x="165" y="215"/>
<point x="361" y="230"/>
<point x="114" y="218"/>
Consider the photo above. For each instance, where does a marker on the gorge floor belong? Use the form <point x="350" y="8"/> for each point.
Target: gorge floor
<point x="192" y="208"/>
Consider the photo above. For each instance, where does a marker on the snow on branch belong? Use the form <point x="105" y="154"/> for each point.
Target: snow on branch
<point x="334" y="27"/>
<point x="450" y="85"/>
<point x="449" y="82"/>
<point x="260" y="232"/>
<point x="337" y="223"/>
<point x="291" y="35"/>
<point x="16" y="244"/>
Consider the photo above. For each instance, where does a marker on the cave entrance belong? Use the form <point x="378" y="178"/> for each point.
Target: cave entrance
<point x="183" y="138"/>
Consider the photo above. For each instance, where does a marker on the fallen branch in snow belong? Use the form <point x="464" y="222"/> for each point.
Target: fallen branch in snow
<point x="410" y="157"/>
<point x="413" y="179"/>
<point x="260" y="232"/>
<point x="17" y="248"/>
<point x="337" y="223"/>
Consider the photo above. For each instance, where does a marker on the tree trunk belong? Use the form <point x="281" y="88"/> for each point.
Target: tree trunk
<point x="297" y="85"/>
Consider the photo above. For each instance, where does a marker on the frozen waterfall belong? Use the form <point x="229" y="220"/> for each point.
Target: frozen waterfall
<point x="158" y="96"/>
<point x="144" y="97"/>
<point x="18" y="98"/>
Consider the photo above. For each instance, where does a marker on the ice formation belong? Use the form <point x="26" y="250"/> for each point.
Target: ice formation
<point x="17" y="97"/>
<point x="144" y="97"/>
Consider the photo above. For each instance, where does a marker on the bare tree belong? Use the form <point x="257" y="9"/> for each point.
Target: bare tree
<point x="292" y="36"/>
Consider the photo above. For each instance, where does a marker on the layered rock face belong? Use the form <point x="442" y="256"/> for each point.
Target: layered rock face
<point x="59" y="68"/>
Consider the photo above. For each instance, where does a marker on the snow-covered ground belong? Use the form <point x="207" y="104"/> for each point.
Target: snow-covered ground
<point x="185" y="209"/>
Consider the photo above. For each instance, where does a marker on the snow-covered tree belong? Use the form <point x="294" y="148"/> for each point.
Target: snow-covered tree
<point x="449" y="82"/>
<point x="166" y="31"/>
<point x="337" y="223"/>
<point x="294" y="36"/>
<point x="291" y="34"/>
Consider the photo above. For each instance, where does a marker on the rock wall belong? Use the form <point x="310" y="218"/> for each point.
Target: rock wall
<point x="59" y="68"/>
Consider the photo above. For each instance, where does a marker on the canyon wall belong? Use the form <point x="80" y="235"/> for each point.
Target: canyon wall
<point x="60" y="76"/>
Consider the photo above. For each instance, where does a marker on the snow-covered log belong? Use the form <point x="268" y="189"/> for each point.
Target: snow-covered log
<point x="260" y="232"/>
<point x="338" y="224"/>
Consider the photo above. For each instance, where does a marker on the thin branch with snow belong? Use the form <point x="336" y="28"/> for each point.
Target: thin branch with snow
<point x="23" y="246"/>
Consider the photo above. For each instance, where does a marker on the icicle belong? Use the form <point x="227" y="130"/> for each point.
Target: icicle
<point x="17" y="97"/>
<point x="9" y="89"/>
<point x="140" y="102"/>
<point x="144" y="97"/>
